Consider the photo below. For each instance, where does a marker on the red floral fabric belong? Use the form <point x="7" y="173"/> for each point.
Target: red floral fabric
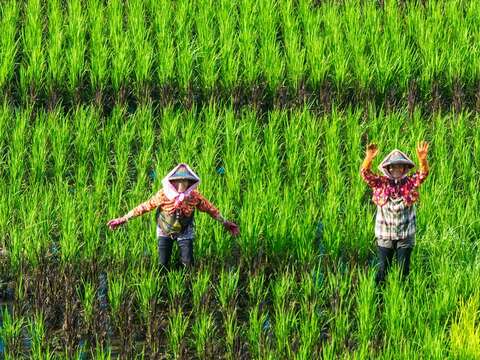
<point x="385" y="188"/>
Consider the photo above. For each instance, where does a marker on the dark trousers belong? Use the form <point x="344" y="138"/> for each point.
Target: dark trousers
<point x="165" y="245"/>
<point x="385" y="257"/>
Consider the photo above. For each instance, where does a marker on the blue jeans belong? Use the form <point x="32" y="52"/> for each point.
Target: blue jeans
<point x="385" y="257"/>
<point x="165" y="245"/>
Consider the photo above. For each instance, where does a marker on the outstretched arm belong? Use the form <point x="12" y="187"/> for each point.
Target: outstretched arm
<point x="419" y="177"/>
<point x="365" y="171"/>
<point x="204" y="205"/>
<point x="141" y="209"/>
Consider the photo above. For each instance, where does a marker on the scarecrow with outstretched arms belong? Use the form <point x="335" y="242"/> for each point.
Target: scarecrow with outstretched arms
<point x="175" y="204"/>
<point x="395" y="194"/>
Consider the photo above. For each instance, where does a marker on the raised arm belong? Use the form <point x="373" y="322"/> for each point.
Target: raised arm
<point x="365" y="171"/>
<point x="419" y="177"/>
<point x="141" y="209"/>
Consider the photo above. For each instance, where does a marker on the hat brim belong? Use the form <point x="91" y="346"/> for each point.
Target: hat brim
<point x="400" y="162"/>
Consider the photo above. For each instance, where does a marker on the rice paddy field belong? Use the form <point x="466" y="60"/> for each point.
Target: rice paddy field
<point x="272" y="103"/>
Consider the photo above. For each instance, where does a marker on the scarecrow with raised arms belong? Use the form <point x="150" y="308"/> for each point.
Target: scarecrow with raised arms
<point x="395" y="194"/>
<point x="175" y="204"/>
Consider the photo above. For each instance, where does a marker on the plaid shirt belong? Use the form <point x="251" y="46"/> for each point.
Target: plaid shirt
<point x="395" y="220"/>
<point x="396" y="215"/>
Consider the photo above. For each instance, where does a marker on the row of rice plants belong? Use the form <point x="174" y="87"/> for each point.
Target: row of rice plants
<point x="280" y="164"/>
<point x="127" y="49"/>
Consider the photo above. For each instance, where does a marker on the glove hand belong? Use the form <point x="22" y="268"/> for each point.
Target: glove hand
<point x="372" y="150"/>
<point x="115" y="223"/>
<point x="422" y="150"/>
<point x="232" y="228"/>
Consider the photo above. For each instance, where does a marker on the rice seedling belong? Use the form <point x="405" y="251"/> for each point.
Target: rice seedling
<point x="228" y="47"/>
<point x="186" y="50"/>
<point x="177" y="327"/>
<point x="227" y="289"/>
<point x="56" y="67"/>
<point x="200" y="293"/>
<point x="142" y="50"/>
<point x="162" y="14"/>
<point x="11" y="332"/>
<point x="76" y="47"/>
<point x="256" y="289"/>
<point x="37" y="331"/>
<point x="176" y="288"/>
<point x="33" y="64"/>
<point x="98" y="48"/>
<point x="247" y="41"/>
<point x="255" y="333"/>
<point x="8" y="43"/>
<point x="366" y="309"/>
<point x="271" y="62"/>
<point x="121" y="63"/>
<point x="207" y="46"/>
<point x="203" y="330"/>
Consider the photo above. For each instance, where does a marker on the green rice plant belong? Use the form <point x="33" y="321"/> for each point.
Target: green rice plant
<point x="282" y="291"/>
<point x="340" y="55"/>
<point x="186" y="49"/>
<point x="116" y="293"/>
<point x="98" y="46"/>
<point x="231" y="333"/>
<point x="37" y="331"/>
<point x="338" y="289"/>
<point x="60" y="140"/>
<point x="69" y="244"/>
<point x="39" y="151"/>
<point x="317" y="58"/>
<point x="256" y="289"/>
<point x="255" y="333"/>
<point x="200" y="290"/>
<point x="11" y="332"/>
<point x="227" y="289"/>
<point x="309" y="324"/>
<point x="395" y="308"/>
<point x="229" y="62"/>
<point x="294" y="51"/>
<point x="87" y="294"/>
<point x="142" y="46"/>
<point x="284" y="328"/>
<point x="203" y="330"/>
<point x="207" y="45"/>
<point x="103" y="354"/>
<point x="366" y="309"/>
<point x="16" y="154"/>
<point x="335" y="181"/>
<point x="33" y="61"/>
<point x="75" y="51"/>
<point x="176" y="329"/>
<point x="164" y="57"/>
<point x="147" y="290"/>
<point x="55" y="71"/>
<point x="121" y="63"/>
<point x="247" y="41"/>
<point x="176" y="288"/>
<point x="270" y="58"/>
<point x="9" y="13"/>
